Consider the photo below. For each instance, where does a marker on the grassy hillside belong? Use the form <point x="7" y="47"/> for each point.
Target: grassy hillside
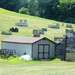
<point x="8" y="20"/>
<point x="67" y="1"/>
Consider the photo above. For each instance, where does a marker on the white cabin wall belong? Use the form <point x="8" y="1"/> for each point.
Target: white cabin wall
<point x="20" y="48"/>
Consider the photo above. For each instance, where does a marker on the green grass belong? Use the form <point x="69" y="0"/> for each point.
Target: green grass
<point x="9" y="18"/>
<point x="66" y="1"/>
<point x="70" y="56"/>
<point x="17" y="67"/>
<point x="36" y="68"/>
<point x="14" y="66"/>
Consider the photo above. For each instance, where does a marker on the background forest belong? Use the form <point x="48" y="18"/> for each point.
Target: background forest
<point x="61" y="10"/>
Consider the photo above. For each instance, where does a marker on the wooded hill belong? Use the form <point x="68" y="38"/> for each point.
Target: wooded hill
<point x="61" y="10"/>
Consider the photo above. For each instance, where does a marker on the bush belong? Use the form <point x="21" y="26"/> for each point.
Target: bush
<point x="6" y="56"/>
<point x="14" y="56"/>
<point x="56" y="60"/>
<point x="70" y="20"/>
<point x="23" y="10"/>
<point x="35" y="59"/>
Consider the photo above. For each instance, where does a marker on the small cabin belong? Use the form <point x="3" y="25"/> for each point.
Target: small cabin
<point x="36" y="47"/>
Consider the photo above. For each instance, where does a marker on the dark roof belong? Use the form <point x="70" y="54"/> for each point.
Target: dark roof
<point x="22" y="39"/>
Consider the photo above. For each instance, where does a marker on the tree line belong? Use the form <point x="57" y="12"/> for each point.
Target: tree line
<point x="51" y="9"/>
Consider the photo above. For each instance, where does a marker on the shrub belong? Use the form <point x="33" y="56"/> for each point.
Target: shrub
<point x="70" y="20"/>
<point x="23" y="10"/>
<point x="56" y="60"/>
<point x="35" y="59"/>
<point x="6" y="56"/>
<point x="14" y="55"/>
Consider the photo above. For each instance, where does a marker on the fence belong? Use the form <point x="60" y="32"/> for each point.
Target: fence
<point x="7" y="51"/>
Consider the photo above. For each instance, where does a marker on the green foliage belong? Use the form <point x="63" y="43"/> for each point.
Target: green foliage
<point x="23" y="10"/>
<point x="35" y="59"/>
<point x="52" y="9"/>
<point x="4" y="56"/>
<point x="14" y="55"/>
<point x="13" y="5"/>
<point x="33" y="7"/>
<point x="13" y="59"/>
<point x="70" y="20"/>
<point x="66" y="12"/>
<point x="66" y="1"/>
<point x="56" y="60"/>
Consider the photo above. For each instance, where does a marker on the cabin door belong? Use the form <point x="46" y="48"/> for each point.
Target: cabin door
<point x="43" y="51"/>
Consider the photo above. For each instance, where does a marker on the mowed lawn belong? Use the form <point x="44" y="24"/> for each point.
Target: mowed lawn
<point x="37" y="68"/>
<point x="9" y="18"/>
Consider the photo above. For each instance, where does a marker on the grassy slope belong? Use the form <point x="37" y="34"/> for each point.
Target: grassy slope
<point x="67" y="1"/>
<point x="8" y="20"/>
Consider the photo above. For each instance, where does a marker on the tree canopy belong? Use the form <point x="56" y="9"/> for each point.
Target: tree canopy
<point x="62" y="10"/>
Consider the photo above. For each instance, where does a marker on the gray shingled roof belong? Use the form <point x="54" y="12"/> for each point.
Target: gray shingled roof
<point x="21" y="39"/>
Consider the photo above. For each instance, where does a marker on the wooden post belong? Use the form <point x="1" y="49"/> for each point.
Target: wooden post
<point x="65" y="48"/>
